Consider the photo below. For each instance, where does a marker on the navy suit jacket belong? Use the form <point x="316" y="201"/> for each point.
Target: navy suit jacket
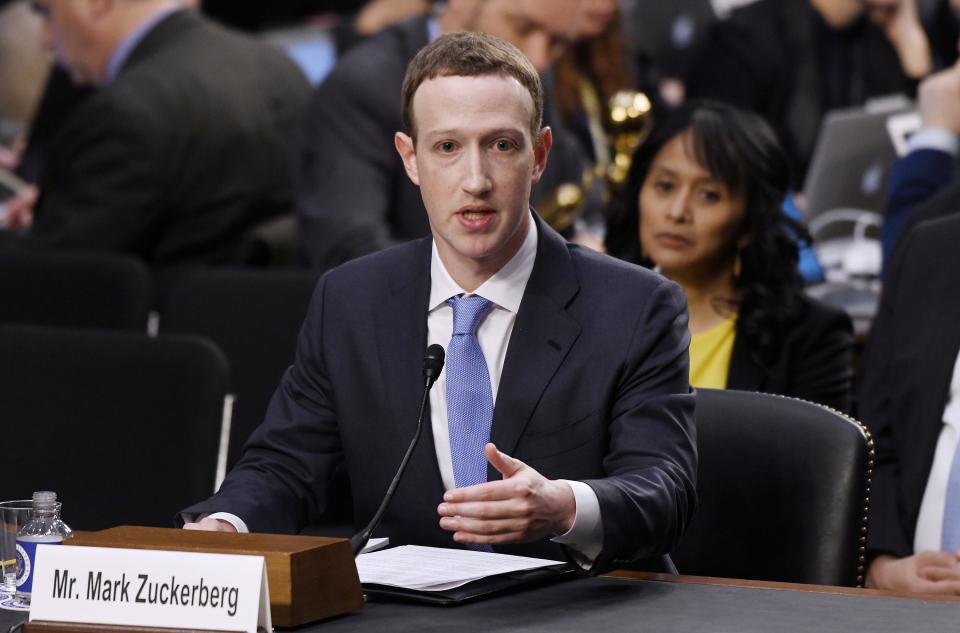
<point x="914" y="179"/>
<point x="594" y="388"/>
<point x="907" y="368"/>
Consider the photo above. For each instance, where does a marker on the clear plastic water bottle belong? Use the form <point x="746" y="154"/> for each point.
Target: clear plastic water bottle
<point x="44" y="528"/>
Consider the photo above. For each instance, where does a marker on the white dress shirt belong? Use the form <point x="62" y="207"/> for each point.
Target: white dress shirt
<point x="505" y="290"/>
<point x="930" y="520"/>
<point x="934" y="138"/>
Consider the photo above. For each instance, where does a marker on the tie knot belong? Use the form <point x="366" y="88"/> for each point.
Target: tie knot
<point x="468" y="312"/>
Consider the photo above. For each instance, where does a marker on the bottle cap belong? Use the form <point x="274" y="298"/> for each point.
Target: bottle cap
<point x="44" y="498"/>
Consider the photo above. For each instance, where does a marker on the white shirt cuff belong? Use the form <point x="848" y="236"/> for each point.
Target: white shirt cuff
<point x="232" y="519"/>
<point x="584" y="540"/>
<point x="934" y="138"/>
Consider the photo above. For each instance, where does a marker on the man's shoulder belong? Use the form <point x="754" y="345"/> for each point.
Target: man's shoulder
<point x="381" y="58"/>
<point x="389" y="270"/>
<point x="609" y="286"/>
<point x="599" y="272"/>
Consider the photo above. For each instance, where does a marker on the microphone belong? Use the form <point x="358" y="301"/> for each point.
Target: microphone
<point x="432" y="366"/>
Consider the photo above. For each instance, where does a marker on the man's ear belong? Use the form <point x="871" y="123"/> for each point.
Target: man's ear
<point x="541" y="150"/>
<point x="408" y="153"/>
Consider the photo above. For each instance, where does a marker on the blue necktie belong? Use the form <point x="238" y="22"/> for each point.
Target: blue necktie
<point x="469" y="395"/>
<point x="950" y="538"/>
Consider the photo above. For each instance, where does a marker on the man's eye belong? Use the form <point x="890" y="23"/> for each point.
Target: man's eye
<point x="504" y="145"/>
<point x="447" y="146"/>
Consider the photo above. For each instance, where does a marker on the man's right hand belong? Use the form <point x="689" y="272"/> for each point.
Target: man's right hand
<point x="210" y="525"/>
<point x="926" y="572"/>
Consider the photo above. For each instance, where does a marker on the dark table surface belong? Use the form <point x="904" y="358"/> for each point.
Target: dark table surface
<point x="606" y="605"/>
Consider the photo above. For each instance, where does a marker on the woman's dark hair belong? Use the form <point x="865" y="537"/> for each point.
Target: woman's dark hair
<point x="739" y="149"/>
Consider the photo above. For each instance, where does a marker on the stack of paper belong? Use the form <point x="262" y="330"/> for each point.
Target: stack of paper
<point x="438" y="569"/>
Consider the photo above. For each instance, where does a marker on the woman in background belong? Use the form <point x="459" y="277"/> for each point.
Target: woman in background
<point x="703" y="205"/>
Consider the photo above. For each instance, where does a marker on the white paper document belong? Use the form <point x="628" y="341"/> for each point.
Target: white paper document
<point x="438" y="568"/>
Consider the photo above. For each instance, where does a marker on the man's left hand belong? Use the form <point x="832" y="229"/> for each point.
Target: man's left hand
<point x="523" y="506"/>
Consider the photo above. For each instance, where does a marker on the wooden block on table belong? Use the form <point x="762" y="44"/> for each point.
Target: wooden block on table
<point x="310" y="577"/>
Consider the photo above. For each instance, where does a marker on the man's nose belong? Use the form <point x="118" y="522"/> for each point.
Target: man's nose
<point x="476" y="181"/>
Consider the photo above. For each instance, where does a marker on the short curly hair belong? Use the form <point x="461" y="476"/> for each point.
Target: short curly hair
<point x="468" y="54"/>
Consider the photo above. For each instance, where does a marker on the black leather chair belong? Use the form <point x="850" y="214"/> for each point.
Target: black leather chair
<point x="124" y="427"/>
<point x="77" y="290"/>
<point x="783" y="487"/>
<point x="254" y="316"/>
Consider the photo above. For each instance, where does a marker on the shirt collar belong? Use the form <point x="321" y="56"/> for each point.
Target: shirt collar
<point x="505" y="288"/>
<point x="122" y="51"/>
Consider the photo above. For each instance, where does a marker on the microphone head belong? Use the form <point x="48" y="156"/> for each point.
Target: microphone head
<point x="433" y="363"/>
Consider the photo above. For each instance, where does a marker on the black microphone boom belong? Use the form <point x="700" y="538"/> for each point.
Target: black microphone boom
<point x="432" y="366"/>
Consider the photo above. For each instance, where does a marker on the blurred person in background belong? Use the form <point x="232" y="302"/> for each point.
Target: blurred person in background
<point x="702" y="205"/>
<point x="353" y="197"/>
<point x="172" y="158"/>
<point x="588" y="74"/>
<point x="794" y="60"/>
<point x="23" y="64"/>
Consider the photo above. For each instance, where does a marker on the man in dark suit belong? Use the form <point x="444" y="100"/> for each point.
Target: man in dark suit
<point x="185" y="145"/>
<point x="581" y="389"/>
<point x="909" y="400"/>
<point x="353" y="197"/>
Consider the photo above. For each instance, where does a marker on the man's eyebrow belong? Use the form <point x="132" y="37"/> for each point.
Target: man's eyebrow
<point x="485" y="134"/>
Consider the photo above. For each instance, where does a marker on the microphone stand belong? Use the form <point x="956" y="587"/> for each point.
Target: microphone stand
<point x="431" y="370"/>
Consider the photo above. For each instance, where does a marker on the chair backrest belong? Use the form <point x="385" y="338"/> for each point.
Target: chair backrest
<point x="783" y="486"/>
<point x="124" y="427"/>
<point x="254" y="316"/>
<point x="76" y="290"/>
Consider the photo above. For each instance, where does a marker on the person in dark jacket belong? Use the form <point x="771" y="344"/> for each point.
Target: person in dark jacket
<point x="703" y="204"/>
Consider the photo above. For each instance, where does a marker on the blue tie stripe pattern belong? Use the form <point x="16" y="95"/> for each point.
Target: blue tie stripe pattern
<point x="469" y="394"/>
<point x="950" y="537"/>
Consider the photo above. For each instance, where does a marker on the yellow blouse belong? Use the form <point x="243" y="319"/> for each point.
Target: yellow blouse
<point x="710" y="353"/>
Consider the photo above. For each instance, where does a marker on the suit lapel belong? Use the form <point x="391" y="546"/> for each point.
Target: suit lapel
<point x="938" y="372"/>
<point x="542" y="336"/>
<point x="401" y="332"/>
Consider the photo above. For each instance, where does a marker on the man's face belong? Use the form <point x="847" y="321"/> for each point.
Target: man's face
<point x="475" y="161"/>
<point x="541" y="29"/>
<point x="67" y="32"/>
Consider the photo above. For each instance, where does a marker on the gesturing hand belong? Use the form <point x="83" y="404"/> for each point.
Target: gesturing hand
<point x="523" y="506"/>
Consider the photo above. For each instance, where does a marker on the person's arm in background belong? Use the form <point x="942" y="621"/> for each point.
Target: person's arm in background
<point x="900" y="23"/>
<point x="929" y="165"/>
